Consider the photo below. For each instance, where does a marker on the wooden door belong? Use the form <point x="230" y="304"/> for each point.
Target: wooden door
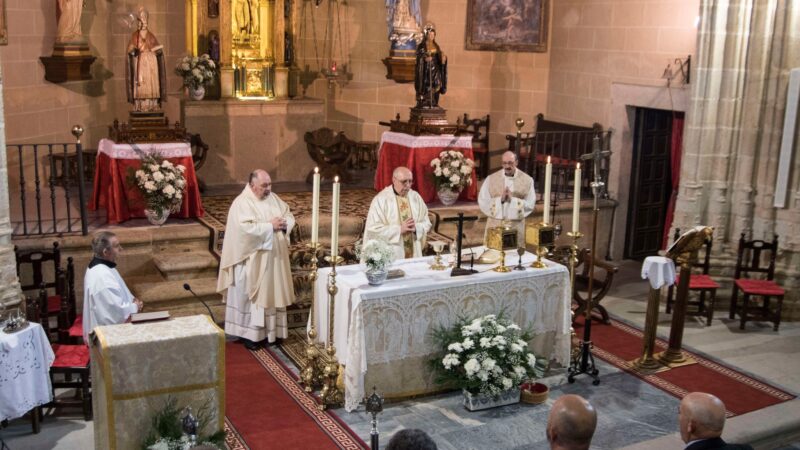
<point x="650" y="183"/>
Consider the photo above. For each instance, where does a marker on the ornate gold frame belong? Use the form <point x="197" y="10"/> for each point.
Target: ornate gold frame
<point x="471" y="41"/>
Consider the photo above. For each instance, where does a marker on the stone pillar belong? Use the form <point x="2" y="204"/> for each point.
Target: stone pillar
<point x="10" y="293"/>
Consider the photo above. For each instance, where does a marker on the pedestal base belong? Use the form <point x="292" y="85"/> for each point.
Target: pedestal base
<point x="673" y="360"/>
<point x="147" y="127"/>
<point x="399" y="69"/>
<point x="647" y="366"/>
<point x="68" y="63"/>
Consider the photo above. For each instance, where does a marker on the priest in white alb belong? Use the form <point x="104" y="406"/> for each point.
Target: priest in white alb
<point x="255" y="276"/>
<point x="509" y="195"/>
<point x="399" y="215"/>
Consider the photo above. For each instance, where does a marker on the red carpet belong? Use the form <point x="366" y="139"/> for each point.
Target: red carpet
<point x="619" y="343"/>
<point x="267" y="409"/>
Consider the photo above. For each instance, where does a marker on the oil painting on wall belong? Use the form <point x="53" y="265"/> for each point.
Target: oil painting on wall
<point x="507" y="25"/>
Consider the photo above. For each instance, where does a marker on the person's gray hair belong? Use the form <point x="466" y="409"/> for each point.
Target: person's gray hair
<point x="101" y="242"/>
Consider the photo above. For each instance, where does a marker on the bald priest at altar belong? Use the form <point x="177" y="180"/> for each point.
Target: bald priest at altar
<point x="399" y="215"/>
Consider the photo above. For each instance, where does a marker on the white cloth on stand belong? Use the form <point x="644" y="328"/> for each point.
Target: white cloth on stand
<point x="25" y="360"/>
<point x="660" y="270"/>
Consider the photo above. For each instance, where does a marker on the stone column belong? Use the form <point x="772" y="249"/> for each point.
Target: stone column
<point x="10" y="293"/>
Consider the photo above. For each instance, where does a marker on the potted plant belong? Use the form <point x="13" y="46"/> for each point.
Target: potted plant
<point x="161" y="184"/>
<point x="488" y="358"/>
<point x="197" y="73"/>
<point x="377" y="255"/>
<point x="452" y="172"/>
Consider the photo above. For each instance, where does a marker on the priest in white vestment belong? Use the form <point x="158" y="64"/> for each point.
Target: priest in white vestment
<point x="399" y="215"/>
<point x="106" y="298"/>
<point x="509" y="195"/>
<point x="255" y="276"/>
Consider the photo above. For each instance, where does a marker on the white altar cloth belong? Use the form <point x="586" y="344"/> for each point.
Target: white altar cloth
<point x="390" y="324"/>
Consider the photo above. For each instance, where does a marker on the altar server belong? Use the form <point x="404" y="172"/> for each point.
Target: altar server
<point x="106" y="298"/>
<point x="399" y="215"/>
<point x="508" y="194"/>
<point x="254" y="276"/>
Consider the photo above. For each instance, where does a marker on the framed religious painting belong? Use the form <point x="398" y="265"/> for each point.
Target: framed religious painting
<point x="507" y="25"/>
<point x="3" y="24"/>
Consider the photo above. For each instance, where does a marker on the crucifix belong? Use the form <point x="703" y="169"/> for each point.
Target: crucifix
<point x="585" y="364"/>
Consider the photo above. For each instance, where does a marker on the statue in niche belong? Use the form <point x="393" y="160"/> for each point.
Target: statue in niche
<point x="430" y="78"/>
<point x="403" y="18"/>
<point x="213" y="45"/>
<point x="245" y="19"/>
<point x="68" y="15"/>
<point x="146" y="74"/>
<point x="213" y="8"/>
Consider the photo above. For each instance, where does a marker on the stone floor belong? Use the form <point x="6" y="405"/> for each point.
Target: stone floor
<point x="633" y="414"/>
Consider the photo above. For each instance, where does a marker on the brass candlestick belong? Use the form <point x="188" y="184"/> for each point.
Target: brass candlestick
<point x="331" y="395"/>
<point x="311" y="373"/>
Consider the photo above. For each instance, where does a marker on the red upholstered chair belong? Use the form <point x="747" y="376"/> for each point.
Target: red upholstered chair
<point x="72" y="360"/>
<point x="748" y="261"/>
<point x="700" y="283"/>
<point x="38" y="260"/>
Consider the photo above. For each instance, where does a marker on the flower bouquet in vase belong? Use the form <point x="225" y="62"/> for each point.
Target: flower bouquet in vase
<point x="452" y="172"/>
<point x="377" y="255"/>
<point x="488" y="358"/>
<point x="162" y="185"/>
<point x="197" y="73"/>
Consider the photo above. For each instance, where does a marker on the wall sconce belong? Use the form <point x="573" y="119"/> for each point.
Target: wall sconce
<point x="678" y="68"/>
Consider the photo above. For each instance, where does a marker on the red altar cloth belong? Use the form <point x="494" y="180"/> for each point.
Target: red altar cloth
<point x="416" y="153"/>
<point x="123" y="201"/>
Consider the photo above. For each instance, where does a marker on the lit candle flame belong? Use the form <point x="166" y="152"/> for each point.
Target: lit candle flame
<point x="579" y="166"/>
<point x="548" y="160"/>
<point x="316" y="169"/>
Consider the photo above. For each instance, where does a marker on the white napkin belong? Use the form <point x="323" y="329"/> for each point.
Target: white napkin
<point x="660" y="270"/>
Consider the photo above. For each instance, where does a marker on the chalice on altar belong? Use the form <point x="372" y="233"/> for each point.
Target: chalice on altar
<point x="438" y="246"/>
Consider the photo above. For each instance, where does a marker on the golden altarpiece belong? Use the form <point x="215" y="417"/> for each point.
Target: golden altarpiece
<point x="252" y="123"/>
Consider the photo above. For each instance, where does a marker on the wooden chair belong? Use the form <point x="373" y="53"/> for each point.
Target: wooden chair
<point x="199" y="153"/>
<point x="32" y="313"/>
<point x="331" y="152"/>
<point x="479" y="128"/>
<point x="36" y="260"/>
<point x="603" y="279"/>
<point x="748" y="260"/>
<point x="698" y="282"/>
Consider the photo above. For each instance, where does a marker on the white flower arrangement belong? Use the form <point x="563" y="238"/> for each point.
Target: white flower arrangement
<point x="377" y="254"/>
<point x="452" y="170"/>
<point x="197" y="71"/>
<point x="161" y="183"/>
<point x="487" y="355"/>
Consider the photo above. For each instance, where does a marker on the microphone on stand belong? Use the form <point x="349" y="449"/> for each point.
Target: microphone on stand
<point x="189" y="288"/>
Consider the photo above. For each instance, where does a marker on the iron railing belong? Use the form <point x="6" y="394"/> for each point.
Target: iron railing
<point x="53" y="172"/>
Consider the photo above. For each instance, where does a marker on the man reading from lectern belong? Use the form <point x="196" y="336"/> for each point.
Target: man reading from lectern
<point x="106" y="298"/>
<point x="399" y="215"/>
<point x="508" y="194"/>
<point x="254" y="276"/>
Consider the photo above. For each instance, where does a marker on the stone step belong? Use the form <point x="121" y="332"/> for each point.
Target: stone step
<point x="185" y="265"/>
<point x="171" y="296"/>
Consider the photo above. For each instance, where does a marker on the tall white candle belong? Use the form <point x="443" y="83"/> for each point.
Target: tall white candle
<point x="548" y="174"/>
<point x="315" y="209"/>
<point x="576" y="205"/>
<point x="335" y="219"/>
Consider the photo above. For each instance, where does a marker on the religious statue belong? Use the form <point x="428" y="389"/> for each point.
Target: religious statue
<point x="146" y="74"/>
<point x="213" y="45"/>
<point x="403" y="18"/>
<point x="245" y="19"/>
<point x="430" y="78"/>
<point x="213" y="8"/>
<point x="68" y="15"/>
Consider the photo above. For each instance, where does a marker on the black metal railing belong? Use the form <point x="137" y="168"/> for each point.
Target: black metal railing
<point x="46" y="182"/>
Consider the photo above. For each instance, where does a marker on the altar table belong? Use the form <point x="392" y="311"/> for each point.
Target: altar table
<point x="416" y="153"/>
<point x="137" y="367"/>
<point x="25" y="359"/>
<point x="122" y="200"/>
<point x="382" y="334"/>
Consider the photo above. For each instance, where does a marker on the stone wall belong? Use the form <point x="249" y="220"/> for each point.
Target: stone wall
<point x="506" y="85"/>
<point x="9" y="285"/>
<point x="597" y="43"/>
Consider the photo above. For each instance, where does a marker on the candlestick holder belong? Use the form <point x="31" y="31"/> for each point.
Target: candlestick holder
<point x="311" y="373"/>
<point x="331" y="395"/>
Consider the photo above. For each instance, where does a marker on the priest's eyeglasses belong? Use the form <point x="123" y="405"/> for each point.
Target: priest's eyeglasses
<point x="405" y="181"/>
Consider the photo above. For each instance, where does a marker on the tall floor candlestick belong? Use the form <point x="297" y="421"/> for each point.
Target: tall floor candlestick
<point x="335" y="219"/>
<point x="576" y="203"/>
<point x="331" y="395"/>
<point x="548" y="175"/>
<point x="311" y="373"/>
<point x="315" y="208"/>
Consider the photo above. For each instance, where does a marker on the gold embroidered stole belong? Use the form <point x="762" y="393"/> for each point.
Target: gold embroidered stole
<point x="404" y="211"/>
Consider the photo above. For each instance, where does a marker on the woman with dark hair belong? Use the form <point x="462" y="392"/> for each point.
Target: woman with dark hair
<point x="431" y="70"/>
